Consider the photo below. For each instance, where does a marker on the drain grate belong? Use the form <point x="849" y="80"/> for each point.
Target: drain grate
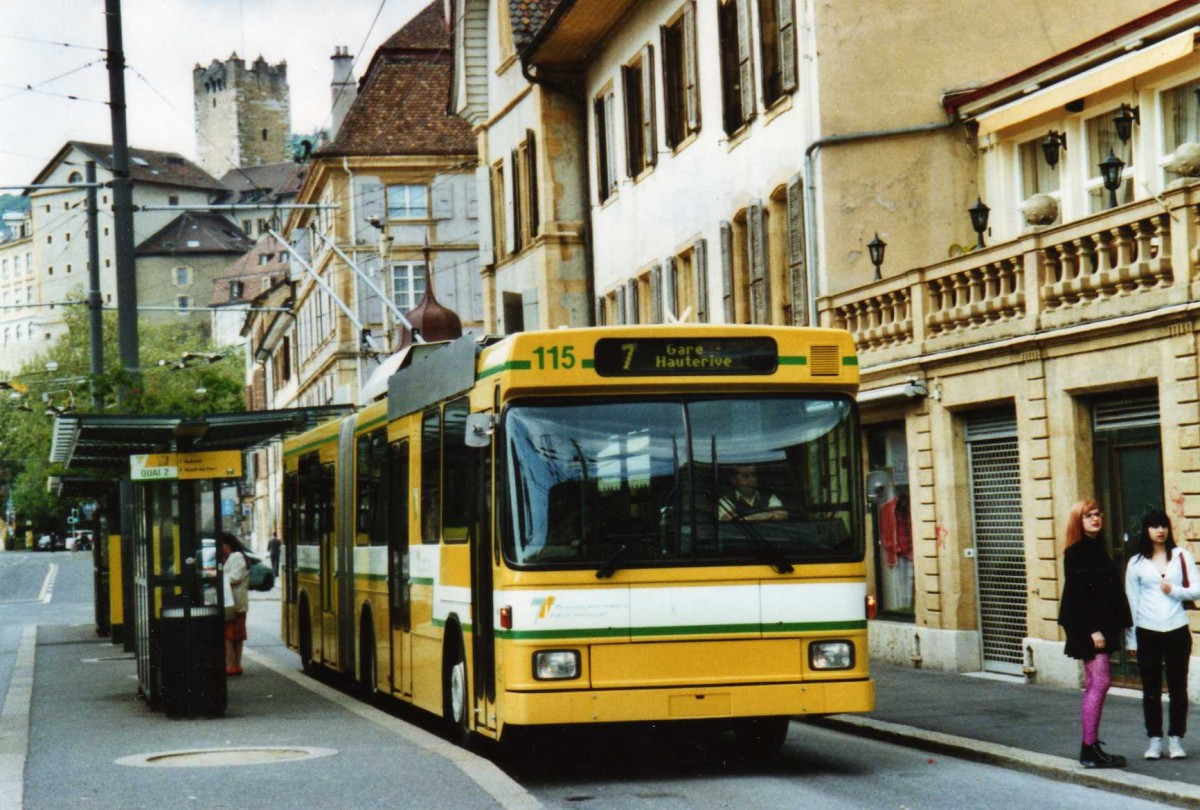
<point x="224" y="757"/>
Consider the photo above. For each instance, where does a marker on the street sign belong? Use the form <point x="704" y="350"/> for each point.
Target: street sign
<point x="185" y="466"/>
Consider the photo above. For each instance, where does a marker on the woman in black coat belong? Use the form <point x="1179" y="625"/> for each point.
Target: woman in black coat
<point x="1094" y="613"/>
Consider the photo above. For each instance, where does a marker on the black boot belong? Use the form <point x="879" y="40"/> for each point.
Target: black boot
<point x="1093" y="756"/>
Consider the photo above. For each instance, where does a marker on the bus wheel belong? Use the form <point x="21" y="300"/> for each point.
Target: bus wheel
<point x="455" y="700"/>
<point x="760" y="738"/>
<point x="368" y="681"/>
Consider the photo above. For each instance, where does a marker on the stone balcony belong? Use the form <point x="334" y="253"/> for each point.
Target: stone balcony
<point x="1138" y="258"/>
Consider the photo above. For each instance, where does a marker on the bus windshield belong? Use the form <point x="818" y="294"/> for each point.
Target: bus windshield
<point x="682" y="481"/>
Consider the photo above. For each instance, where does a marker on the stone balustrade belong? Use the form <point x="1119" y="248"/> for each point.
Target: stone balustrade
<point x="1134" y="258"/>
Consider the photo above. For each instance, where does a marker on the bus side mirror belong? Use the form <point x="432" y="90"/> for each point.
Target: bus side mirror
<point x="480" y="427"/>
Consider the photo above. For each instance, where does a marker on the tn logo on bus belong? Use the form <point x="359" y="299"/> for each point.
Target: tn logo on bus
<point x="543" y="604"/>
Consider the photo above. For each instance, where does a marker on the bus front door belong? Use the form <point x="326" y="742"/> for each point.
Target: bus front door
<point x="399" y="575"/>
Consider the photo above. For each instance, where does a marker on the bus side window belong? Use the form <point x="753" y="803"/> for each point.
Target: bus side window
<point x="458" y="473"/>
<point x="431" y="476"/>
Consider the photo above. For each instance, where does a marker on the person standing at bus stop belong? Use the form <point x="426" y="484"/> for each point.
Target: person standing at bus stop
<point x="237" y="577"/>
<point x="1094" y="613"/>
<point x="273" y="548"/>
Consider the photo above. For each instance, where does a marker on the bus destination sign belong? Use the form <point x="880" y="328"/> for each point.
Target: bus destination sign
<point x="639" y="357"/>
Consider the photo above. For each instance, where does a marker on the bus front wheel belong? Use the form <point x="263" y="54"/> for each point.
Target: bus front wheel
<point x="761" y="738"/>
<point x="456" y="702"/>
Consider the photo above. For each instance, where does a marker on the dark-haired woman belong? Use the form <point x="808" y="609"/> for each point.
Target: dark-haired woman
<point x="1160" y="635"/>
<point x="1094" y="614"/>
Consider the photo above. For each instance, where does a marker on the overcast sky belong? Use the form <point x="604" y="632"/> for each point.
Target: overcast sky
<point x="164" y="40"/>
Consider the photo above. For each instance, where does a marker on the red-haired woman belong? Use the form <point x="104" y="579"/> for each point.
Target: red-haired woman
<point x="1094" y="613"/>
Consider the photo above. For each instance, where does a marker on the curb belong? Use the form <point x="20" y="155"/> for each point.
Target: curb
<point x="1061" y="769"/>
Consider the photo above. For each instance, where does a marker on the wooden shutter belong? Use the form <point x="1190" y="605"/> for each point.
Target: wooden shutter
<point x="787" y="45"/>
<point x="515" y="163"/>
<point x="691" y="70"/>
<point x="633" y="131"/>
<point x="622" y="309"/>
<point x="756" y="252"/>
<point x="610" y="126"/>
<point x="700" y="267"/>
<point x="727" y="271"/>
<point x="745" y="37"/>
<point x="532" y="182"/>
<point x="602" y="148"/>
<point x="369" y="202"/>
<point x="656" y="294"/>
<point x="443" y="201"/>
<point x="631" y="300"/>
<point x="797" y="260"/>
<point x="601" y="312"/>
<point x="670" y="303"/>
<point x="649" y="138"/>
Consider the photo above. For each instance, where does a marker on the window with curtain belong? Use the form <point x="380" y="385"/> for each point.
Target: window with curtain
<point x="1180" y="121"/>
<point x="1101" y="134"/>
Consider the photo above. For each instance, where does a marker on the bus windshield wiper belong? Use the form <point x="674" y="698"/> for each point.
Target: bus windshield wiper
<point x="766" y="552"/>
<point x="611" y="564"/>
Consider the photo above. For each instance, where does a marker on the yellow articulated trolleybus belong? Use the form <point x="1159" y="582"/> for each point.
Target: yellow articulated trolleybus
<point x="643" y="523"/>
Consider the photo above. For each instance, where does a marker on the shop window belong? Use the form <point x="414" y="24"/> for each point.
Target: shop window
<point x="891" y="512"/>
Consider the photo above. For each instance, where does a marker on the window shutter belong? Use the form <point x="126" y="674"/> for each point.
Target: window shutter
<point x="656" y="294"/>
<point x="531" y="149"/>
<point x="443" y="200"/>
<point x="727" y="270"/>
<point x="787" y="44"/>
<point x="483" y="183"/>
<point x="515" y="171"/>
<point x="602" y="149"/>
<point x="631" y="300"/>
<point x="797" y="261"/>
<point x="668" y="287"/>
<point x="649" y="139"/>
<point x="369" y="202"/>
<point x="621" y="308"/>
<point x="756" y="252"/>
<point x="745" y="58"/>
<point x="700" y="265"/>
<point x="610" y="126"/>
<point x="631" y="154"/>
<point x="691" y="70"/>
<point x="601" y="311"/>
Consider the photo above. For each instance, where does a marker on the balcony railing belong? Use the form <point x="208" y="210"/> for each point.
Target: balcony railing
<point x="1135" y="258"/>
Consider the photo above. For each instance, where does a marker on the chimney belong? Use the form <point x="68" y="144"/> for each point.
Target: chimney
<point x="343" y="89"/>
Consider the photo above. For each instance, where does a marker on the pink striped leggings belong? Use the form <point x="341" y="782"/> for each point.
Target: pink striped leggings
<point x="1097" y="677"/>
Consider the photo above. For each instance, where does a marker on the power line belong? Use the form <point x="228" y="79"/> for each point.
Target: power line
<point x="52" y="42"/>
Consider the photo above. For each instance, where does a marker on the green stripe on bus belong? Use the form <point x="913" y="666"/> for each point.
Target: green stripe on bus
<point x="379" y="420"/>
<point x="588" y="363"/>
<point x="850" y="361"/>
<point x="511" y="365"/>
<point x="684" y="630"/>
<point x="792" y="361"/>
<point x="421" y="580"/>
<point x="295" y="451"/>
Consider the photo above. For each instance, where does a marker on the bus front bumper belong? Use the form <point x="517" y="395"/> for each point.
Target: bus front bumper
<point x="681" y="703"/>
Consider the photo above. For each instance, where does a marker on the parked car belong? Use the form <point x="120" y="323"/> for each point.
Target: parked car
<point x="80" y="540"/>
<point x="45" y="543"/>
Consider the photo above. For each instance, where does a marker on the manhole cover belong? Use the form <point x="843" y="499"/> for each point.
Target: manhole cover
<point x="214" y="757"/>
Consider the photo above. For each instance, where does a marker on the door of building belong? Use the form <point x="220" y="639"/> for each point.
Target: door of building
<point x="999" y="539"/>
<point x="1127" y="453"/>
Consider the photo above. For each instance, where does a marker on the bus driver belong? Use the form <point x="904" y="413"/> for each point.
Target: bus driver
<point x="747" y="500"/>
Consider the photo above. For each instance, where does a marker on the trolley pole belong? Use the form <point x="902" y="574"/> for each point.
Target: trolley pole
<point x="127" y="336"/>
<point x="95" y="314"/>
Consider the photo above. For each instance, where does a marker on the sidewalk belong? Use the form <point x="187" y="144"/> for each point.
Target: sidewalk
<point x="1007" y="722"/>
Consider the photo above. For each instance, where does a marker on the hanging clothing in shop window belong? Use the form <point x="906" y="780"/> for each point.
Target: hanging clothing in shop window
<point x="895" y="530"/>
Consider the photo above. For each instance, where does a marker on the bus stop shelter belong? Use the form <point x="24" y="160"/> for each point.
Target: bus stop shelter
<point x="175" y="481"/>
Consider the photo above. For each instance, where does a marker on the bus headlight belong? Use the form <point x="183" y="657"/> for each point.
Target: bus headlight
<point x="831" y="655"/>
<point x="556" y="665"/>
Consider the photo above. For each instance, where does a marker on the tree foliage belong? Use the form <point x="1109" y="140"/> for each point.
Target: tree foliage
<point x="59" y="378"/>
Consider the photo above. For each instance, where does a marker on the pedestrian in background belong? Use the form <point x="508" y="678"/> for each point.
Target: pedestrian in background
<point x="237" y="577"/>
<point x="1094" y="613"/>
<point x="273" y="547"/>
<point x="1155" y="586"/>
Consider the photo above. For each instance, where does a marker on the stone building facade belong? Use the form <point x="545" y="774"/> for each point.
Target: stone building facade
<point x="243" y="114"/>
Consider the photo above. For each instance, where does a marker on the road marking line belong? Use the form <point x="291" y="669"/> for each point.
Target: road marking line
<point x="14" y="723"/>
<point x="499" y="785"/>
<point x="47" y="592"/>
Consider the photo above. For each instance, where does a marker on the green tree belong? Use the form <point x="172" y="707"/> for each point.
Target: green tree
<point x="210" y="382"/>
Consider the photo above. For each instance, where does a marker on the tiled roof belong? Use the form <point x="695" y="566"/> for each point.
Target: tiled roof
<point x="274" y="181"/>
<point x="251" y="269"/>
<point x="189" y="234"/>
<point x="148" y="166"/>
<point x="426" y="30"/>
<point x="527" y="17"/>
<point x="402" y="109"/>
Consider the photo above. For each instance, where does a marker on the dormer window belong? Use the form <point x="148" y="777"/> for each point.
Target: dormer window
<point x="236" y="290"/>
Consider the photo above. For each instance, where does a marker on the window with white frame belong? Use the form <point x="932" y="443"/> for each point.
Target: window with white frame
<point x="1038" y="176"/>
<point x="183" y="276"/>
<point x="1180" y="122"/>
<point x="1101" y="135"/>
<point x="408" y="285"/>
<point x="407" y="202"/>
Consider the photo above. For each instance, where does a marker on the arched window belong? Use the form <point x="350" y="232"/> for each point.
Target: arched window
<point x="75" y="177"/>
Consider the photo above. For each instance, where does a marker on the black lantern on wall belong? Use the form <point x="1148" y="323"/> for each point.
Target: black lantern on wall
<point x="1110" y="169"/>
<point x="1054" y="142"/>
<point x="876" y="247"/>
<point x="979" y="220"/>
<point x="1124" y="120"/>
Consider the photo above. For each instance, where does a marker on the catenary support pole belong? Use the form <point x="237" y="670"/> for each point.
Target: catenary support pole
<point x="95" y="314"/>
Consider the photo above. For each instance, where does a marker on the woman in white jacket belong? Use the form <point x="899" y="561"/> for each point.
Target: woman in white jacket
<point x="1154" y="585"/>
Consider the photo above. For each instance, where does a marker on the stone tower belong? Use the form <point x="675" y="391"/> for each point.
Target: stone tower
<point x="243" y="115"/>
